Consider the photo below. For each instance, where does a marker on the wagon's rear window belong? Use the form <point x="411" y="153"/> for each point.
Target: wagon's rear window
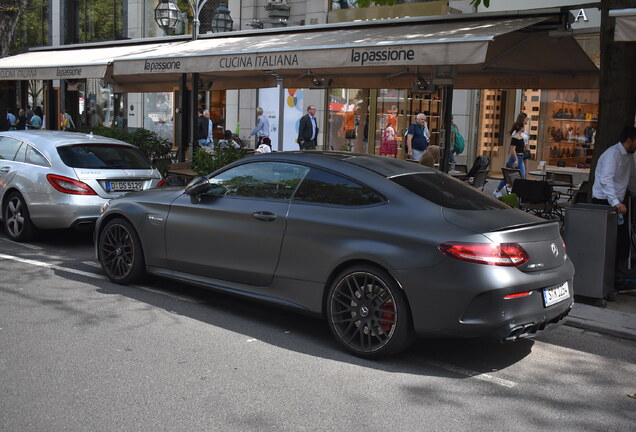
<point x="103" y="156"/>
<point x="447" y="192"/>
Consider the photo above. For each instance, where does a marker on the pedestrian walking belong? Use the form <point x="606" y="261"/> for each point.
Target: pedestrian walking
<point x="417" y="138"/>
<point x="308" y="130"/>
<point x="261" y="130"/>
<point x="203" y="128"/>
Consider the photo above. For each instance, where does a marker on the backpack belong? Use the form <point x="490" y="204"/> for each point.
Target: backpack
<point x="459" y="141"/>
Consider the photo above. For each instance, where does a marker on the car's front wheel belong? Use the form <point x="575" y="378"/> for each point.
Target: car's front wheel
<point x="120" y="252"/>
<point x="17" y="221"/>
<point x="368" y="313"/>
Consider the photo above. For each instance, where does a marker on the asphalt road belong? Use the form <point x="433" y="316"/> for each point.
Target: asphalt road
<point x="78" y="353"/>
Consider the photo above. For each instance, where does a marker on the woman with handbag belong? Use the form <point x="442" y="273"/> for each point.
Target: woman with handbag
<point x="515" y="158"/>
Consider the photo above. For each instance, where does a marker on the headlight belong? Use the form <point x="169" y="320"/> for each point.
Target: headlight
<point x="104" y="207"/>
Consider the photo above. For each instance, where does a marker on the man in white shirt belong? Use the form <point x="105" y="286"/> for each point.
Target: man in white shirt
<point x="615" y="171"/>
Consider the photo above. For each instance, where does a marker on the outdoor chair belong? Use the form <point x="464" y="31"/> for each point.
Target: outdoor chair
<point x="479" y="180"/>
<point x="461" y="168"/>
<point x="562" y="180"/>
<point x="537" y="197"/>
<point x="509" y="176"/>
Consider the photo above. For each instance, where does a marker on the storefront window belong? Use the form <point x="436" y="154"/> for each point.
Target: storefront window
<point x="390" y="113"/>
<point x="33" y="27"/>
<point x="490" y="140"/>
<point x="96" y="104"/>
<point x="93" y="20"/>
<point x="567" y="127"/>
<point x="347" y="121"/>
<point x="158" y="114"/>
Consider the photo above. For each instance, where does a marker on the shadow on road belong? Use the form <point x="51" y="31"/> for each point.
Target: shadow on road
<point x="310" y="335"/>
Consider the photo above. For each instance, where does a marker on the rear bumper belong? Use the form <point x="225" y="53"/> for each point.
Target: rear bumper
<point x="474" y="304"/>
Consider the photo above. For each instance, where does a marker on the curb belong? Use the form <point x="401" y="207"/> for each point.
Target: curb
<point x="599" y="328"/>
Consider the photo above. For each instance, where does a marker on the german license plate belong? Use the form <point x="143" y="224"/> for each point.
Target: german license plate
<point x="124" y="186"/>
<point x="556" y="294"/>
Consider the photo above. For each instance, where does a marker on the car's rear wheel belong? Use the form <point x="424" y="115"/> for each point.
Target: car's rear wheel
<point x="17" y="221"/>
<point x="368" y="313"/>
<point x="120" y="252"/>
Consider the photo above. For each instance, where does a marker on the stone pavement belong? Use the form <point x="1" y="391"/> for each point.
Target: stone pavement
<point x="616" y="318"/>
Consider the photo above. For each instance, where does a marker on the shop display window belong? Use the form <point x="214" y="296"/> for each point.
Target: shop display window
<point x="568" y="122"/>
<point x="347" y="127"/>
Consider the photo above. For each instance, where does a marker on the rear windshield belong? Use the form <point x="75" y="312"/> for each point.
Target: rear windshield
<point x="104" y="156"/>
<point x="447" y="192"/>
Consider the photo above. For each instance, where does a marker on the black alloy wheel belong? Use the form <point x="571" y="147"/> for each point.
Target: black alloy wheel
<point x="368" y="312"/>
<point x="17" y="222"/>
<point x="120" y="252"/>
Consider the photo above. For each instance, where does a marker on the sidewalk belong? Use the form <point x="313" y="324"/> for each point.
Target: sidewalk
<point x="617" y="319"/>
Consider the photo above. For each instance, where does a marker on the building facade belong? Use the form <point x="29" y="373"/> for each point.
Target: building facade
<point x="352" y="119"/>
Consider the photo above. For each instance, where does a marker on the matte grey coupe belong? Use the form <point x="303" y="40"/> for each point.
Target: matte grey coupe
<point x="51" y="179"/>
<point x="385" y="249"/>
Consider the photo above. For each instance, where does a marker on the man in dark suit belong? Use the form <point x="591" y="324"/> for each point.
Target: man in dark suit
<point x="203" y="126"/>
<point x="308" y="130"/>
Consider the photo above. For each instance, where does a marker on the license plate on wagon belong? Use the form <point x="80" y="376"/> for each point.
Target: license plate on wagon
<point x="556" y="294"/>
<point x="124" y="186"/>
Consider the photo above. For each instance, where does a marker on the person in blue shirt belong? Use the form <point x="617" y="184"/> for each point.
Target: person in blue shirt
<point x="417" y="138"/>
<point x="262" y="126"/>
<point x="10" y="119"/>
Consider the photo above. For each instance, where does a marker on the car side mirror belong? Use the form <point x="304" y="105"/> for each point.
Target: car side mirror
<point x="200" y="186"/>
<point x="197" y="186"/>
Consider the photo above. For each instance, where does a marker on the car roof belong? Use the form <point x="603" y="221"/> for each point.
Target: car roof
<point x="382" y="165"/>
<point x="57" y="138"/>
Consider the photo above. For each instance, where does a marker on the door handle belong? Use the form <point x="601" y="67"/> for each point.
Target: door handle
<point x="264" y="216"/>
<point x="5" y="169"/>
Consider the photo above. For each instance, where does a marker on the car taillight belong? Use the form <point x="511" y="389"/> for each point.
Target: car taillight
<point x="69" y="186"/>
<point x="503" y="254"/>
<point x="161" y="183"/>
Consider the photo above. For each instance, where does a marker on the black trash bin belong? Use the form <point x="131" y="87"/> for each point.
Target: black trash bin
<point x="590" y="239"/>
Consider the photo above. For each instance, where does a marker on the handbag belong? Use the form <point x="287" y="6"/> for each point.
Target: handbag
<point x="350" y="134"/>
<point x="527" y="154"/>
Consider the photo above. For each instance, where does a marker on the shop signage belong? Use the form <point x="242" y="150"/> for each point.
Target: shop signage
<point x="162" y="65"/>
<point x="69" y="72"/>
<point x="18" y="74"/>
<point x="382" y="56"/>
<point x="259" y="61"/>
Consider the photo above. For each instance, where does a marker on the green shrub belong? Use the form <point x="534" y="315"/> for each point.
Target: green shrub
<point x="204" y="162"/>
<point x="155" y="148"/>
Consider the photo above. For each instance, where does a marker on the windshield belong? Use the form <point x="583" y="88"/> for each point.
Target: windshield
<point x="104" y="156"/>
<point x="448" y="192"/>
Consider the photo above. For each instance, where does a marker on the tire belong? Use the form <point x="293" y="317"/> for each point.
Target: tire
<point x="368" y="313"/>
<point x="120" y="252"/>
<point x="17" y="221"/>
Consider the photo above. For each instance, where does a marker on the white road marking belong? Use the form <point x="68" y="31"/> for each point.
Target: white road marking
<point x="97" y="276"/>
<point x="92" y="264"/>
<point x="26" y="245"/>
<point x="51" y="266"/>
<point x="472" y="374"/>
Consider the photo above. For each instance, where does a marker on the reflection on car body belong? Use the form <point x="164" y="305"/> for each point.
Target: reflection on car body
<point x="384" y="249"/>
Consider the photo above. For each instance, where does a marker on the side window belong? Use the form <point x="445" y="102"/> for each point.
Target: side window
<point x="34" y="157"/>
<point x="329" y="188"/>
<point x="20" y="155"/>
<point x="9" y="147"/>
<point x="276" y="180"/>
